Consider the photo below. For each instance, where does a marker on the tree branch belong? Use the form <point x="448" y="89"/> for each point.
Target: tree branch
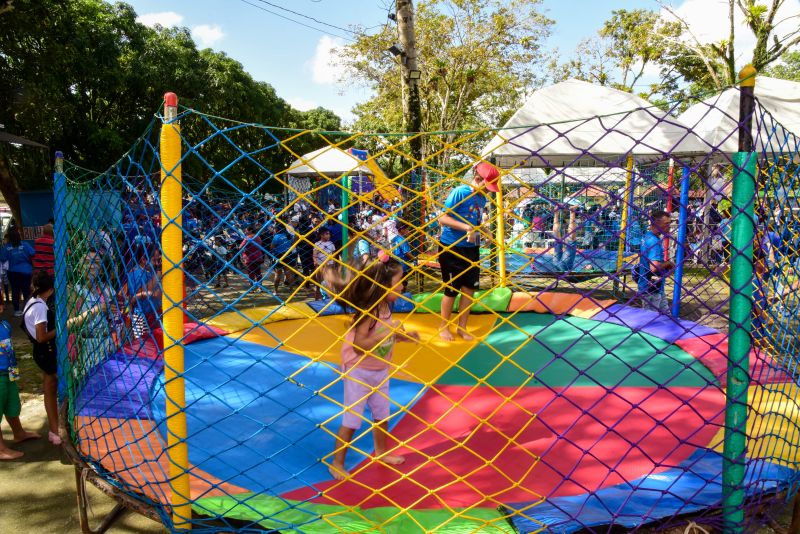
<point x="698" y="48"/>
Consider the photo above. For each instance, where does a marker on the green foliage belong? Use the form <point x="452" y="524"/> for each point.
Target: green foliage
<point x="477" y="58"/>
<point x="84" y="77"/>
<point x="787" y="69"/>
<point x="630" y="41"/>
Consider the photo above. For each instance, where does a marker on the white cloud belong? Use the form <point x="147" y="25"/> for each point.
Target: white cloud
<point x="166" y="19"/>
<point x="326" y="66"/>
<point x="207" y="35"/>
<point x="708" y="22"/>
<point x="302" y="104"/>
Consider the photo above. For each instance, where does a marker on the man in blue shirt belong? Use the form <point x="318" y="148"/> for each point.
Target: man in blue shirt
<point x="653" y="268"/>
<point x="459" y="246"/>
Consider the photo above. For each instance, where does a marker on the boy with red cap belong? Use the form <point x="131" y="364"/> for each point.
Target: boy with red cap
<point x="459" y="249"/>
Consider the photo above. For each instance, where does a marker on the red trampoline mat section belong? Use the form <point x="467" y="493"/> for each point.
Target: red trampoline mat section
<point x="467" y="446"/>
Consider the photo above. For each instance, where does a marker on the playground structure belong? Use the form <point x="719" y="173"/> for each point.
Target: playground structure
<point x="570" y="409"/>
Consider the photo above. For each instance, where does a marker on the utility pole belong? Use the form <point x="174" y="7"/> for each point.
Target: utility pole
<point x="412" y="118"/>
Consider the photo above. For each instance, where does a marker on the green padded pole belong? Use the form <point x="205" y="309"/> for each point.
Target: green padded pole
<point x="735" y="447"/>
<point x="739" y="342"/>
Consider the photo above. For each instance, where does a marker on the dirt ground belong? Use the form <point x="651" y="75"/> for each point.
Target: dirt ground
<point x="37" y="491"/>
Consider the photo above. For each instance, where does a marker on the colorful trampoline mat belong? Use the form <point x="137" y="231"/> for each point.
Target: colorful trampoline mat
<point x="555" y="420"/>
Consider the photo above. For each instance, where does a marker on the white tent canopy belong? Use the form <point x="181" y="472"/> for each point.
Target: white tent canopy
<point x="575" y="122"/>
<point x="716" y="119"/>
<point x="328" y="161"/>
<point x="537" y="176"/>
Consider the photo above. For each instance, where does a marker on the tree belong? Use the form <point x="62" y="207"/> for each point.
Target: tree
<point x="628" y="45"/>
<point x="788" y="69"/>
<point x="477" y="59"/>
<point x="632" y="41"/>
<point x="718" y="61"/>
<point x="85" y="77"/>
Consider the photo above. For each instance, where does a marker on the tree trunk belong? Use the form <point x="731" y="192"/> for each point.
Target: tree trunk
<point x="9" y="188"/>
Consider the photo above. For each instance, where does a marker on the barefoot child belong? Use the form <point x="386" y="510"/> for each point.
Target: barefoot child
<point x="367" y="352"/>
<point x="9" y="394"/>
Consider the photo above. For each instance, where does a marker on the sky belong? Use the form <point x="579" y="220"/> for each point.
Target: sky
<point x="296" y="60"/>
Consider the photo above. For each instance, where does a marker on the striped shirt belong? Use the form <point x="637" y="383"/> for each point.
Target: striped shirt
<point x="44" y="257"/>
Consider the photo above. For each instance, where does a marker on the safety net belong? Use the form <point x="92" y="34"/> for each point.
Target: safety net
<point x="496" y="330"/>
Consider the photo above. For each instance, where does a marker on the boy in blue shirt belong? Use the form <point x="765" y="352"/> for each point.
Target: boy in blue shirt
<point x="653" y="268"/>
<point x="459" y="246"/>
<point x="281" y="247"/>
<point x="9" y="394"/>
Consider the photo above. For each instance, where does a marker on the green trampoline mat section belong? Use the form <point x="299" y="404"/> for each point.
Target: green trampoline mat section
<point x="325" y="518"/>
<point x="542" y="349"/>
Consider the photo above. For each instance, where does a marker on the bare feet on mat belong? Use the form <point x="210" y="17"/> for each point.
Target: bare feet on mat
<point x="25" y="436"/>
<point x="391" y="459"/>
<point x="338" y="471"/>
<point x="466" y="336"/>
<point x="446" y="334"/>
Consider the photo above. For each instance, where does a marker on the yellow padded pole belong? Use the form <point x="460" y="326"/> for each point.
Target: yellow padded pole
<point x="171" y="299"/>
<point x="623" y="226"/>
<point x="501" y="238"/>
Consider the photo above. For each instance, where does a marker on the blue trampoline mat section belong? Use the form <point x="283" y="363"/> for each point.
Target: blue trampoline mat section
<point x="586" y="261"/>
<point x="696" y="484"/>
<point x="119" y="387"/>
<point x="252" y="426"/>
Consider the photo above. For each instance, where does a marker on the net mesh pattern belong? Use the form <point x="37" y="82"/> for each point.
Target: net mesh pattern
<point x="586" y="390"/>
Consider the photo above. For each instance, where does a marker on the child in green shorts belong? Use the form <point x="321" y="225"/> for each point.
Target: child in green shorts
<point x="9" y="394"/>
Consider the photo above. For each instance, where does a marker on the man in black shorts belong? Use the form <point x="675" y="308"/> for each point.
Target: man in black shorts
<point x="459" y="250"/>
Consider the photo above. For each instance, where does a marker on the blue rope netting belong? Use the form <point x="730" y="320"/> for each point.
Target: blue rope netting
<point x="593" y="393"/>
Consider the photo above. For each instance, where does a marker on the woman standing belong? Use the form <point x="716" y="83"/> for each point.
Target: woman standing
<point x="19" y="256"/>
<point x="39" y="323"/>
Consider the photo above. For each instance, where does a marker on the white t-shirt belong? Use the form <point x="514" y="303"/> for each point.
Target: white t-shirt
<point x="390" y="229"/>
<point x="36" y="313"/>
<point x="323" y="252"/>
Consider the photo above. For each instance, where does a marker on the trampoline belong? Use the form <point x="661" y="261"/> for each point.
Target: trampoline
<point x="535" y="435"/>
<point x="588" y="264"/>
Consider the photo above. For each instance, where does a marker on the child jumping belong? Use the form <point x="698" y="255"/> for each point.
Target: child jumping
<point x="367" y="352"/>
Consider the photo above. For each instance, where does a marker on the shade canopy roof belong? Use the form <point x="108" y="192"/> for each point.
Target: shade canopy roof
<point x="716" y="119"/>
<point x="575" y="122"/>
<point x="328" y="161"/>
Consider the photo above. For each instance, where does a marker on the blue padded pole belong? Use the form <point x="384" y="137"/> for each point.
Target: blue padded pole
<point x="680" y="252"/>
<point x="60" y="250"/>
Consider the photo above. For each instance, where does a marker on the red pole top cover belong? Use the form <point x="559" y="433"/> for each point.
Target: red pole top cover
<point x="170" y="100"/>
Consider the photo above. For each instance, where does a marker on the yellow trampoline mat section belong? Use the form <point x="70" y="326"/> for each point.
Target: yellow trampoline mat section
<point x="320" y="338"/>
<point x="773" y="424"/>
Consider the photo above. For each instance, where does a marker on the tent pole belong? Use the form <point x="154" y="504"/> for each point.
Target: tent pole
<point x="623" y="227"/>
<point x="680" y="247"/>
<point x="670" y="185"/>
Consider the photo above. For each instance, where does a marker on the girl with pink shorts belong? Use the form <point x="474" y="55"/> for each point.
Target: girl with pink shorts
<point x="370" y="289"/>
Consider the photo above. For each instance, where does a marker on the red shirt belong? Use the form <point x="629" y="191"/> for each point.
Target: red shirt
<point x="44" y="257"/>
